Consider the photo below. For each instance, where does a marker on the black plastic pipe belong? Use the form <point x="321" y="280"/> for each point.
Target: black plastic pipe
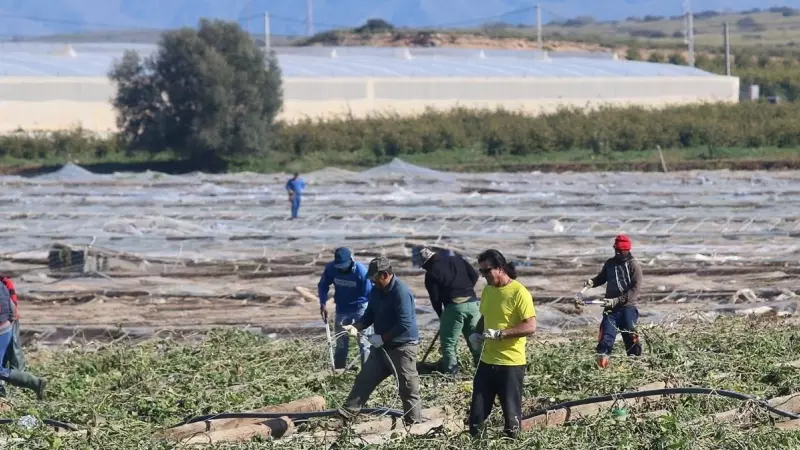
<point x="394" y="413"/>
<point x="51" y="422"/>
<point x="667" y="391"/>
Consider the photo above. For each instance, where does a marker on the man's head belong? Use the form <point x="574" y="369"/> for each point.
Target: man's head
<point x="622" y="245"/>
<point x="494" y="267"/>
<point x="296" y="174"/>
<point x="342" y="259"/>
<point x="380" y="272"/>
<point x="425" y="255"/>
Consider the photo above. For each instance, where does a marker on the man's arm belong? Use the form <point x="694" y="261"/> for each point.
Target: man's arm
<point x="600" y="279"/>
<point x="525" y="328"/>
<point x="632" y="293"/>
<point x="479" y="326"/>
<point x="324" y="286"/>
<point x="527" y="313"/>
<point x="403" y="306"/>
<point x="366" y="320"/>
<point x="433" y="294"/>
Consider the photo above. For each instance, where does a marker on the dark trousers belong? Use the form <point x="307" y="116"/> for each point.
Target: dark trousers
<point x="379" y="367"/>
<point x="14" y="358"/>
<point x="493" y="381"/>
<point x="623" y="319"/>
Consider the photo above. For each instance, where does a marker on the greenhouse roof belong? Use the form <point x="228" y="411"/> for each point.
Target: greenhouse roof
<point x="26" y="59"/>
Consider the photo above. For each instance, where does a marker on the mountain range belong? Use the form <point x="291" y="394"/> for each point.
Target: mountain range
<point x="288" y="17"/>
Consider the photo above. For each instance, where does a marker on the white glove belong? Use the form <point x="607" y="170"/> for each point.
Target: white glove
<point x="351" y="330"/>
<point x="610" y="302"/>
<point x="376" y="340"/>
<point x="588" y="283"/>
<point x="493" y="334"/>
<point x="476" y="340"/>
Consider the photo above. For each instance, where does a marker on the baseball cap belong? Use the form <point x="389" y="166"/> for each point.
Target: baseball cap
<point x="379" y="264"/>
<point x="425" y="255"/>
<point x="342" y="258"/>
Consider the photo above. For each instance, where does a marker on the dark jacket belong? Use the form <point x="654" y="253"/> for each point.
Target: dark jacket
<point x="448" y="277"/>
<point x="392" y="312"/>
<point x="624" y="278"/>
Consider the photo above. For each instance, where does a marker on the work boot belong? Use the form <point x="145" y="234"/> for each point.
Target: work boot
<point x="27" y="381"/>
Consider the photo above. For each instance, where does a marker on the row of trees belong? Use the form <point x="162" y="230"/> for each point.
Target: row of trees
<point x="212" y="95"/>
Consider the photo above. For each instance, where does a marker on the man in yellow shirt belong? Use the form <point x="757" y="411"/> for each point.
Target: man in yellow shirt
<point x="507" y="317"/>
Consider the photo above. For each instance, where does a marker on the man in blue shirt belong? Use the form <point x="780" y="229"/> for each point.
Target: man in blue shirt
<point x="392" y="312"/>
<point x="352" y="288"/>
<point x="295" y="187"/>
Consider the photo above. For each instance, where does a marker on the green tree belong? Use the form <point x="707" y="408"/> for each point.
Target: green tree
<point x="208" y="94"/>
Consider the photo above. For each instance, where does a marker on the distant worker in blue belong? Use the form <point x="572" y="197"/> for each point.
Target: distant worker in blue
<point x="352" y="288"/>
<point x="295" y="187"/>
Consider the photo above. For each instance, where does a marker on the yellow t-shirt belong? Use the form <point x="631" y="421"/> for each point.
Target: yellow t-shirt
<point x="504" y="308"/>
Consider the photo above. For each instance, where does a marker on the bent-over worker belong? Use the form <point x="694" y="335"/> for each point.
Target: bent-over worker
<point x="622" y="275"/>
<point x="351" y="294"/>
<point x="391" y="311"/>
<point x="508" y="316"/>
<point x="450" y="282"/>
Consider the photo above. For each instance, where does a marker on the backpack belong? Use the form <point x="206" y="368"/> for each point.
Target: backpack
<point x="12" y="293"/>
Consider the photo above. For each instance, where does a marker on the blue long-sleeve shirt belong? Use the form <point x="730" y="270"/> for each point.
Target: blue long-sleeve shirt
<point x="296" y="185"/>
<point x="352" y="288"/>
<point x="392" y="312"/>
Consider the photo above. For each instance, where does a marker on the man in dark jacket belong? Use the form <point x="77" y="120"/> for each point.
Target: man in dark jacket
<point x="450" y="282"/>
<point x="392" y="313"/>
<point x="622" y="276"/>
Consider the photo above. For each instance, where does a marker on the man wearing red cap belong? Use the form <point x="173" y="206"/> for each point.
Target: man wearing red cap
<point x="622" y="276"/>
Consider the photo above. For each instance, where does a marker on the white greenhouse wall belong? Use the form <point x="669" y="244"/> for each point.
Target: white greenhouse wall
<point x="50" y="103"/>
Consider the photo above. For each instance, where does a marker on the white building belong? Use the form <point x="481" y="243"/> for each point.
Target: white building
<point x="49" y="86"/>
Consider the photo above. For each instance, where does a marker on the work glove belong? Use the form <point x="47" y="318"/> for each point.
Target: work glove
<point x="493" y="334"/>
<point x="588" y="283"/>
<point x="323" y="313"/>
<point x="376" y="340"/>
<point x="578" y="299"/>
<point x="476" y="340"/>
<point x="610" y="303"/>
<point x="351" y="330"/>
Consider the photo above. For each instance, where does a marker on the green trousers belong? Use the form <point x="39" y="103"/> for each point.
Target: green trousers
<point x="457" y="320"/>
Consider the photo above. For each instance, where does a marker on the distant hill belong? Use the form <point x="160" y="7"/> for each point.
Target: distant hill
<point x="38" y="17"/>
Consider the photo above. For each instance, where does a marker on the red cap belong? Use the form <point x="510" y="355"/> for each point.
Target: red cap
<point x="622" y="242"/>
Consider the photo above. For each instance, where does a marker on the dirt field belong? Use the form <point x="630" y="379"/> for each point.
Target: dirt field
<point x="186" y="253"/>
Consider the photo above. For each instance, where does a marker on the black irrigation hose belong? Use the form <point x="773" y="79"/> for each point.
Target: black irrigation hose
<point x="296" y="417"/>
<point x="51" y="422"/>
<point x="654" y="392"/>
<point x="394" y="413"/>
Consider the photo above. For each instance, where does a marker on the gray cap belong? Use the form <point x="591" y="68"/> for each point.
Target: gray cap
<point x="425" y="255"/>
<point x="379" y="264"/>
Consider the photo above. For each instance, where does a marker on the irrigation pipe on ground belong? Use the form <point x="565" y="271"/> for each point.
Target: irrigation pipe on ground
<point x="305" y="416"/>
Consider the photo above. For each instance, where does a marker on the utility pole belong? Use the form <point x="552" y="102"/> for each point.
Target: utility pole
<point x="727" y="40"/>
<point x="689" y="29"/>
<point x="267" y="33"/>
<point x="310" y="17"/>
<point x="539" y="45"/>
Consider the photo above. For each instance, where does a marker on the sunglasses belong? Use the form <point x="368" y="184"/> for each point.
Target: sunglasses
<point x="486" y="271"/>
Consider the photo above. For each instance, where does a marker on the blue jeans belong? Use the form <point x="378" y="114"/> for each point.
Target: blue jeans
<point x="5" y="341"/>
<point x="343" y="341"/>
<point x="295" y="206"/>
<point x="623" y="319"/>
